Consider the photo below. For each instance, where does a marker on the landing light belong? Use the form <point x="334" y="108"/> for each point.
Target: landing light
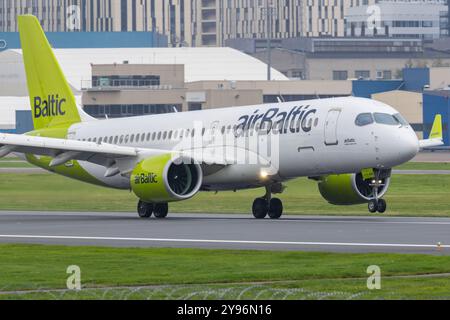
<point x="264" y="174"/>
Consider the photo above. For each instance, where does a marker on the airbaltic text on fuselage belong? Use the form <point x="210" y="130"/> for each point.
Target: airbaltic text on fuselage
<point x="294" y="120"/>
<point x="48" y="108"/>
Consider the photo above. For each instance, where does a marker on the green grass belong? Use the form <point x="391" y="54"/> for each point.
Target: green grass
<point x="15" y="164"/>
<point x="425" y="166"/>
<point x="409" y="195"/>
<point x="10" y="159"/>
<point x="185" y="272"/>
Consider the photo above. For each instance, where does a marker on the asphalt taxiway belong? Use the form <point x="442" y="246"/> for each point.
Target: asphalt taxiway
<point x="219" y="231"/>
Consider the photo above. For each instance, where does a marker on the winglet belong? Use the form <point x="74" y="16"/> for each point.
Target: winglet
<point x="436" y="130"/>
<point x="436" y="138"/>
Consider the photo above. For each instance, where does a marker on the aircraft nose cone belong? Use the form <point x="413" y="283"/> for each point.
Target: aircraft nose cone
<point x="408" y="146"/>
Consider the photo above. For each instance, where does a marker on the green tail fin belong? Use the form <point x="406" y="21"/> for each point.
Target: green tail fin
<point x="52" y="101"/>
<point x="436" y="130"/>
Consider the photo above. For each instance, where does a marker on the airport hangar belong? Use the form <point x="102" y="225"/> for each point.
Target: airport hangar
<point x="123" y="82"/>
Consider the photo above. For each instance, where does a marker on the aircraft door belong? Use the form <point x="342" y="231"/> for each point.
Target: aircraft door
<point x="214" y="129"/>
<point x="331" y="126"/>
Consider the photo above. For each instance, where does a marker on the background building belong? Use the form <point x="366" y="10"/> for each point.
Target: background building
<point x="134" y="81"/>
<point x="185" y="22"/>
<point x="347" y="58"/>
<point x="213" y="22"/>
<point x="425" y="19"/>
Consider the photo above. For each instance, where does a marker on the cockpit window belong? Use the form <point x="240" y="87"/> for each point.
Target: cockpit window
<point x="400" y="119"/>
<point x="364" y="119"/>
<point x="384" y="118"/>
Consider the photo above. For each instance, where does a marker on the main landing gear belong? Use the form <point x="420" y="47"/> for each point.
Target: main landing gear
<point x="273" y="207"/>
<point x="146" y="210"/>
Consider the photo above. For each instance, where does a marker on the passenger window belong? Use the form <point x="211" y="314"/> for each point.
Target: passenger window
<point x="153" y="136"/>
<point x="121" y="140"/>
<point x="364" y="119"/>
<point x="159" y="135"/>
<point x="384" y="118"/>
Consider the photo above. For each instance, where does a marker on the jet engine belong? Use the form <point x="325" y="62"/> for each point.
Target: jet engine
<point x="350" y="189"/>
<point x="162" y="179"/>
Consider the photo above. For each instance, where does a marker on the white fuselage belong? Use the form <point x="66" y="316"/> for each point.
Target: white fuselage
<point x="314" y="138"/>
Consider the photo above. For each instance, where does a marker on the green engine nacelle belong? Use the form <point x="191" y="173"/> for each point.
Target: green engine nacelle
<point x="163" y="179"/>
<point x="349" y="189"/>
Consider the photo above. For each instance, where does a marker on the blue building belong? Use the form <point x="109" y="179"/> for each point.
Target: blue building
<point x="416" y="79"/>
<point x="436" y="102"/>
<point x="79" y="40"/>
<point x="366" y="88"/>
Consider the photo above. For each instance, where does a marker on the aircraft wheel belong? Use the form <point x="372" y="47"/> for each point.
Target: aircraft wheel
<point x="161" y="210"/>
<point x="373" y="206"/>
<point x="260" y="208"/>
<point x="145" y="210"/>
<point x="382" y="206"/>
<point x="275" y="208"/>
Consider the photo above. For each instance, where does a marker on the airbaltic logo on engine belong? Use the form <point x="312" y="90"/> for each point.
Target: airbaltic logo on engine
<point x="144" y="178"/>
<point x="299" y="118"/>
<point x="51" y="107"/>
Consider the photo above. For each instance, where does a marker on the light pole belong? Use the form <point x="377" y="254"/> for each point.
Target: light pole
<point x="269" y="12"/>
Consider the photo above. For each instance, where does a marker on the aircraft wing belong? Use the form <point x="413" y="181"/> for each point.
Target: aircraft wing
<point x="436" y="138"/>
<point x="63" y="150"/>
<point x="430" y="143"/>
<point x="107" y="155"/>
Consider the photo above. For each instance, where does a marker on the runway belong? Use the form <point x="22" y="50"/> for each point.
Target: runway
<point x="302" y="233"/>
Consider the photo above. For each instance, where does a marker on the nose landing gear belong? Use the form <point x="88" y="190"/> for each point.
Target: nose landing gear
<point x="379" y="205"/>
<point x="376" y="204"/>
<point x="273" y="207"/>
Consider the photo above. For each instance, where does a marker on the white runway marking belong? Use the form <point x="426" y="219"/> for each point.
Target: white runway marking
<point x="346" y="244"/>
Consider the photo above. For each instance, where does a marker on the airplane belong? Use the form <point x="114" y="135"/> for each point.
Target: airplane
<point x="348" y="145"/>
